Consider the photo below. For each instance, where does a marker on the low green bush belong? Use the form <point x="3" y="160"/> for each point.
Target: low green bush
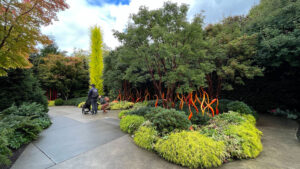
<point x="241" y="107"/>
<point x="142" y="111"/>
<point x="75" y="101"/>
<point x="59" y="102"/>
<point x="191" y="149"/>
<point x="123" y="113"/>
<point x="140" y="104"/>
<point x="151" y="103"/>
<point x="131" y="123"/>
<point x="5" y="152"/>
<point x="121" y="105"/>
<point x="223" y="105"/>
<point x="145" y="137"/>
<point x="20" y="125"/>
<point x="167" y="120"/>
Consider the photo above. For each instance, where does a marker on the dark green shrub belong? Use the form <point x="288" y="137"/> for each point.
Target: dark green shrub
<point x="20" y="86"/>
<point x="59" y="102"/>
<point x="167" y="120"/>
<point x="197" y="118"/>
<point x="151" y="103"/>
<point x="145" y="137"/>
<point x="142" y="111"/>
<point x="131" y="123"/>
<point x="223" y="105"/>
<point x="5" y="152"/>
<point x="75" y="101"/>
<point x="241" y="107"/>
<point x="191" y="149"/>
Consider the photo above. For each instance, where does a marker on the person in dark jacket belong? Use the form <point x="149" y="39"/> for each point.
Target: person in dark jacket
<point x="93" y="95"/>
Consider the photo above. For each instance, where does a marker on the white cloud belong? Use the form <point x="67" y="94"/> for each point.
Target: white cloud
<point x="72" y="29"/>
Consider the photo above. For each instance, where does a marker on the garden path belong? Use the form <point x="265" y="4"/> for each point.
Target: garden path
<point x="76" y="141"/>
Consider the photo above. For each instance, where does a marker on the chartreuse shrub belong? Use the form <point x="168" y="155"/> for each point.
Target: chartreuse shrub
<point x="59" y="102"/>
<point x="238" y="132"/>
<point x="191" y="149"/>
<point x="145" y="137"/>
<point x="51" y="103"/>
<point x="80" y="105"/>
<point x="121" y="105"/>
<point x="123" y="113"/>
<point x="131" y="123"/>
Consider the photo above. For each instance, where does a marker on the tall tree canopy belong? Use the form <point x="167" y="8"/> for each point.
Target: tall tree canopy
<point x="65" y="74"/>
<point x="169" y="48"/>
<point x="21" y="21"/>
<point x="96" y="59"/>
<point x="233" y="53"/>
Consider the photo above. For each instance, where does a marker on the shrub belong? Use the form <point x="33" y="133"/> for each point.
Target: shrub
<point x="80" y="105"/>
<point x="245" y="142"/>
<point x="223" y="105"/>
<point x="167" y="120"/>
<point x="140" y="104"/>
<point x="20" y="125"/>
<point x="191" y="149"/>
<point x="75" y="101"/>
<point x="145" y="137"/>
<point x="287" y="113"/>
<point x="122" y="105"/>
<point x="59" y="102"/>
<point x="51" y="103"/>
<point x="142" y="111"/>
<point x="5" y="152"/>
<point x="241" y="107"/>
<point x="151" y="103"/>
<point x="238" y="132"/>
<point x="123" y="113"/>
<point x="131" y="123"/>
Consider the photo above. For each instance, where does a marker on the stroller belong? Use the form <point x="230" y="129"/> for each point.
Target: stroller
<point x="86" y="108"/>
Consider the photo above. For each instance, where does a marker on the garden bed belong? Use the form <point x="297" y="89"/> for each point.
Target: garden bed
<point x="200" y="143"/>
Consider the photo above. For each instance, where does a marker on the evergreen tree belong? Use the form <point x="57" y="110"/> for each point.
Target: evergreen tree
<point x="96" y="60"/>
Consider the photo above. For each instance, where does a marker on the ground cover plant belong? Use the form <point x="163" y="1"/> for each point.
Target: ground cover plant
<point x="191" y="143"/>
<point x="20" y="125"/>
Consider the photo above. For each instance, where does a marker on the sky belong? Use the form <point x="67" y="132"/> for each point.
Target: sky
<point x="72" y="29"/>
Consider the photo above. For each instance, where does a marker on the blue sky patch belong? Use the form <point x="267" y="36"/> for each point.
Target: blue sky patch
<point x="102" y="2"/>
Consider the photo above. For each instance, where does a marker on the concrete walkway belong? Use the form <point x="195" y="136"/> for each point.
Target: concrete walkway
<point x="76" y="141"/>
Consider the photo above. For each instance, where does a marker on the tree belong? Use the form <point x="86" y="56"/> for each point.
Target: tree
<point x="20" y="29"/>
<point x="20" y="86"/>
<point x="65" y="74"/>
<point x="96" y="60"/>
<point x="233" y="53"/>
<point x="169" y="48"/>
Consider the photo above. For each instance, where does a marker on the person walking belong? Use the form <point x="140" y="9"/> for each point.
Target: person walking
<point x="93" y="95"/>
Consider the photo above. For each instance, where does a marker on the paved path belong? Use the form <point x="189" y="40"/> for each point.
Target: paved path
<point x="76" y="141"/>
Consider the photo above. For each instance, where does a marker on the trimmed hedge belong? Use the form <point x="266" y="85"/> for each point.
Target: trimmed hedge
<point x="191" y="149"/>
<point x="131" y="123"/>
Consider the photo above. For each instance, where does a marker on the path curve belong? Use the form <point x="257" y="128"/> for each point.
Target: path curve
<point x="75" y="141"/>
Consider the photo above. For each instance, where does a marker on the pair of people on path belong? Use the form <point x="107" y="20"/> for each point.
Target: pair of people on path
<point x="93" y="96"/>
